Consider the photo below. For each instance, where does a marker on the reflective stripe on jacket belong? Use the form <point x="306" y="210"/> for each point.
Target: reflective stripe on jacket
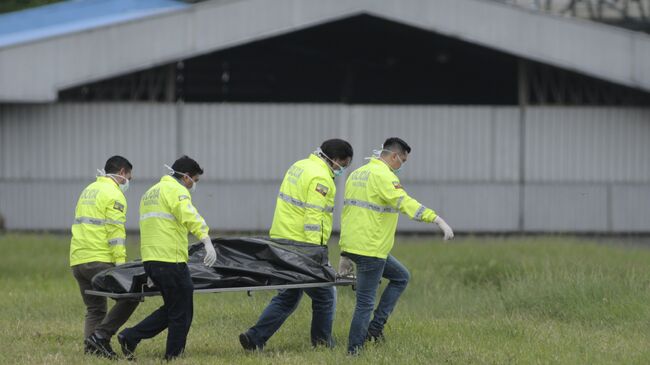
<point x="98" y="232"/>
<point x="374" y="198"/>
<point x="305" y="203"/>
<point x="166" y="217"/>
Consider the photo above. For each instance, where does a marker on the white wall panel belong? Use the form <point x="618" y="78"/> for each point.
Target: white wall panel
<point x="70" y="141"/>
<point x="466" y="207"/>
<point x="631" y="208"/>
<point x="588" y="169"/>
<point x="234" y="206"/>
<point x="572" y="208"/>
<point x="596" y="144"/>
<point x="255" y="142"/>
<point x="505" y="158"/>
<point x="449" y="143"/>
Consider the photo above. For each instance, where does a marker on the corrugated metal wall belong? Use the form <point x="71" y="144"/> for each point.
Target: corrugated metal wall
<point x="588" y="145"/>
<point x="586" y="169"/>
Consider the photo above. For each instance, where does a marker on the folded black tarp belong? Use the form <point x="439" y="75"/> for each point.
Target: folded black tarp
<point x="241" y="262"/>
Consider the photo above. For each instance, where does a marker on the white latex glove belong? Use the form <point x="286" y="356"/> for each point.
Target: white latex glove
<point x="346" y="267"/>
<point x="210" y="253"/>
<point x="449" y="234"/>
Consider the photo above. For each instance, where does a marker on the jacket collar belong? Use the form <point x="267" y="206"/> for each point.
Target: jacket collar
<point x="169" y="178"/>
<point x="380" y="162"/>
<point x="107" y="180"/>
<point x="322" y="163"/>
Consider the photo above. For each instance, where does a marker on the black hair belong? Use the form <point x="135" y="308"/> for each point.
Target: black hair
<point x="337" y="149"/>
<point x="187" y="166"/>
<point x="396" y="145"/>
<point x="116" y="163"/>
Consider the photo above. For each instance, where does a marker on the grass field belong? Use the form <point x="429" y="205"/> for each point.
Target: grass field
<point x="533" y="300"/>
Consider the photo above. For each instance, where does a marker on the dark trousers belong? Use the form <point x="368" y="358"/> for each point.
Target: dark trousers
<point x="174" y="282"/>
<point x="97" y="320"/>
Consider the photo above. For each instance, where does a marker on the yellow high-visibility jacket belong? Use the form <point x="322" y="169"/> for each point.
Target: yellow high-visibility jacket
<point x="98" y="233"/>
<point x="304" y="207"/>
<point x="166" y="217"/>
<point x="374" y="198"/>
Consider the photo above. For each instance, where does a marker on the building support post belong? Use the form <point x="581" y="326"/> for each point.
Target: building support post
<point x="522" y="80"/>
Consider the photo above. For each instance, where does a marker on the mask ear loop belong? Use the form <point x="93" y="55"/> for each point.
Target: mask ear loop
<point x="171" y="171"/>
<point x="102" y="173"/>
<point x="320" y="151"/>
<point x="376" y="153"/>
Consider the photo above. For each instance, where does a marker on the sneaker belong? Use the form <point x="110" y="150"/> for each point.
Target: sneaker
<point x="101" y="346"/>
<point x="247" y="343"/>
<point x="127" y="349"/>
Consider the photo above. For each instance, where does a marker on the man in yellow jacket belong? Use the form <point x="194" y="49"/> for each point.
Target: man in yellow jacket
<point x="98" y="238"/>
<point x="303" y="215"/>
<point x="166" y="216"/>
<point x="374" y="197"/>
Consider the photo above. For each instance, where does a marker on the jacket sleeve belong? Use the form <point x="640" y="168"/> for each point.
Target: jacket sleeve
<point x="319" y="192"/>
<point x="392" y="192"/>
<point x="188" y="216"/>
<point x="115" y="232"/>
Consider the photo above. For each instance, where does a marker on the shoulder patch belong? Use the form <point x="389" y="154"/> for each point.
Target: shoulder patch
<point x="183" y="197"/>
<point x="397" y="185"/>
<point x="118" y="206"/>
<point x="322" y="189"/>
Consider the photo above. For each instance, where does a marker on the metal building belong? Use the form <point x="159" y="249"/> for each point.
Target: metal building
<point x="520" y="120"/>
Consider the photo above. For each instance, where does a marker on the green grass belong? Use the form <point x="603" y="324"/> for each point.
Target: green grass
<point x="540" y="300"/>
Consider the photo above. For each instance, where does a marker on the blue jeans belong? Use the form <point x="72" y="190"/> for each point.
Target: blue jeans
<point x="323" y="304"/>
<point x="370" y="270"/>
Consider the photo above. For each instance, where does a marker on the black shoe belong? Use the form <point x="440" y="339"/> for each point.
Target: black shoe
<point x="101" y="346"/>
<point x="325" y="343"/>
<point x="127" y="349"/>
<point x="169" y="358"/>
<point x="375" y="336"/>
<point x="89" y="350"/>
<point x="247" y="343"/>
<point x="355" y="351"/>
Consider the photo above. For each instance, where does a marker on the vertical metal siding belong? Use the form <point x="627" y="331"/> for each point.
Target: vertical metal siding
<point x="588" y="144"/>
<point x="70" y="141"/>
<point x="505" y="144"/>
<point x="578" y="208"/>
<point x="237" y="206"/>
<point x="587" y="168"/>
<point x="3" y="145"/>
<point x="449" y="143"/>
<point x="38" y="205"/>
<point x="631" y="208"/>
<point x="480" y="207"/>
<point x="255" y="142"/>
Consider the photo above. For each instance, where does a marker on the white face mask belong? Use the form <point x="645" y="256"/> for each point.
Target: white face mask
<point x="124" y="187"/>
<point x="338" y="172"/>
<point x="172" y="172"/>
<point x="396" y="171"/>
